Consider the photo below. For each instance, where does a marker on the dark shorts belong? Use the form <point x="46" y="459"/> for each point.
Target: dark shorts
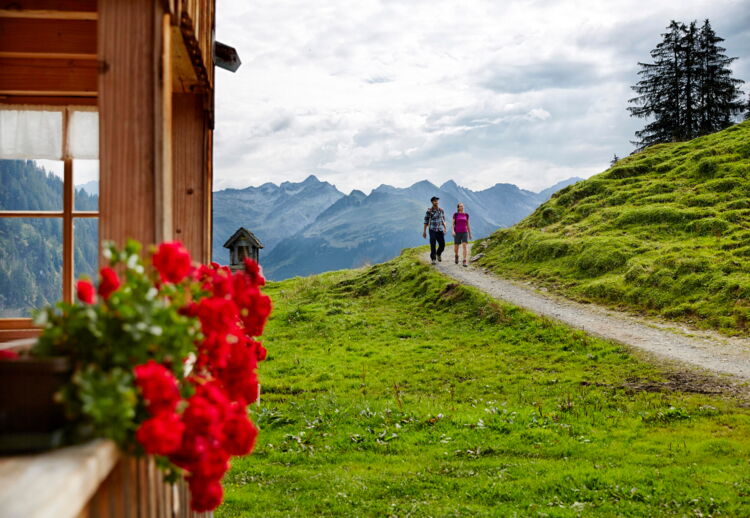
<point x="461" y="237"/>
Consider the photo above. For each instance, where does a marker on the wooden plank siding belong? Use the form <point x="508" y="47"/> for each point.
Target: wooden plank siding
<point x="50" y="37"/>
<point x="129" y="49"/>
<point x="62" y="76"/>
<point x="192" y="192"/>
<point x="49" y="5"/>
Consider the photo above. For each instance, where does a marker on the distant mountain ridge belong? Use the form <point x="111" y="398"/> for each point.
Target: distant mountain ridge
<point x="271" y="212"/>
<point x="327" y="230"/>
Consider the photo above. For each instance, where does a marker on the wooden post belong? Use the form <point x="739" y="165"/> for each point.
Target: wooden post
<point x="130" y="61"/>
<point x="190" y="161"/>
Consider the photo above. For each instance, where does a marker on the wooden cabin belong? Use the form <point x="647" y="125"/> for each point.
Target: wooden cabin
<point x="243" y="244"/>
<point x="132" y="84"/>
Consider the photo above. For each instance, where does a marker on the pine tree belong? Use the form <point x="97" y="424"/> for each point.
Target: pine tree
<point x="720" y="96"/>
<point x="659" y="91"/>
<point x="614" y="160"/>
<point x="688" y="90"/>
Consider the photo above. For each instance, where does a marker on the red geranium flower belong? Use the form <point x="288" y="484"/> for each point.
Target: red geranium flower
<point x="159" y="387"/>
<point x="161" y="435"/>
<point x="253" y="271"/>
<point x="201" y="416"/>
<point x="239" y="432"/>
<point x="212" y="464"/>
<point x="217" y="315"/>
<point x="109" y="282"/>
<point x="85" y="292"/>
<point x="172" y="261"/>
<point x="205" y="495"/>
<point x="7" y="354"/>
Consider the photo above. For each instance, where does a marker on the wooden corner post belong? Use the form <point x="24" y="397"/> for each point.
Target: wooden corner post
<point x="135" y="115"/>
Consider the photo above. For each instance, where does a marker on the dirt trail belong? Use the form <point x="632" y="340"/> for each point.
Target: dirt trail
<point x="669" y="341"/>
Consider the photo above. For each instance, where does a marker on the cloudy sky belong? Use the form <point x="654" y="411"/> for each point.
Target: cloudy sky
<point x="361" y="93"/>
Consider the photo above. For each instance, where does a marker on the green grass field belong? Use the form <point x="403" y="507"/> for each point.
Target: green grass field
<point x="390" y="391"/>
<point x="664" y="232"/>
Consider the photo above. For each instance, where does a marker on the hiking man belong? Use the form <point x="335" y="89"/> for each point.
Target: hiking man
<point x="435" y="219"/>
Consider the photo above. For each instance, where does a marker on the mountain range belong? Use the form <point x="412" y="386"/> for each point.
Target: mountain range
<point x="311" y="227"/>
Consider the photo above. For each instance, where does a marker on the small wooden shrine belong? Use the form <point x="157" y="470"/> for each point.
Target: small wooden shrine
<point x="243" y="244"/>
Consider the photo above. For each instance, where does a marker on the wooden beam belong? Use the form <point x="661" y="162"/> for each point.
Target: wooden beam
<point x="49" y="5"/>
<point x="17" y="334"/>
<point x="57" y="99"/>
<point x="23" y="76"/>
<point x="163" y="134"/>
<point x="31" y="214"/>
<point x="190" y="166"/>
<point x="17" y="323"/>
<point x="45" y="55"/>
<point x="184" y="79"/>
<point x="68" y="275"/>
<point x="129" y="42"/>
<point x="45" y="36"/>
<point x="49" y="15"/>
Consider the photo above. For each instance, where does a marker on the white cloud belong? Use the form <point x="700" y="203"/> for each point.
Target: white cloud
<point x="524" y="91"/>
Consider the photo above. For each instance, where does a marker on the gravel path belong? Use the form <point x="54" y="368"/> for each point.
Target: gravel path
<point x="668" y="341"/>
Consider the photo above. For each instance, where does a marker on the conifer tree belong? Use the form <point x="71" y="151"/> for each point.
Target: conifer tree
<point x="688" y="90"/>
<point x="720" y="96"/>
<point x="659" y="91"/>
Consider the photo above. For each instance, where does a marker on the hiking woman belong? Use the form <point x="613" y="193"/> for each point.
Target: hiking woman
<point x="461" y="231"/>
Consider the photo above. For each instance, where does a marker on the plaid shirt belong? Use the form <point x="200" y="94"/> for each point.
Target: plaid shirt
<point x="435" y="218"/>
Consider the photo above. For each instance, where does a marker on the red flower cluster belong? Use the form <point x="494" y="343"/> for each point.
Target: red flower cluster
<point x="109" y="282"/>
<point x="172" y="261"/>
<point x="85" y="292"/>
<point x="214" y="424"/>
<point x="7" y="354"/>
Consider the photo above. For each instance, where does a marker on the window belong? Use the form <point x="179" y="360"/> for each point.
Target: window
<point x="49" y="206"/>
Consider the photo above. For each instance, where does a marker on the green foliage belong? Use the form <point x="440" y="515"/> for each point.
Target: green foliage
<point x="107" y="400"/>
<point x="402" y="393"/>
<point x="135" y="324"/>
<point x="688" y="90"/>
<point x="661" y="232"/>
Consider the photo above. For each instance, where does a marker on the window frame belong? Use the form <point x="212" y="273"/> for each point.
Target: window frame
<point x="23" y="326"/>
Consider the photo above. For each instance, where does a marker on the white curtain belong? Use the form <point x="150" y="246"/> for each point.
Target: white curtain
<point x="38" y="134"/>
<point x="29" y="134"/>
<point x="83" y="134"/>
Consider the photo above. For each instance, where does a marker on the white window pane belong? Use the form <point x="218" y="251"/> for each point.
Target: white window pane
<point x="83" y="134"/>
<point x="31" y="134"/>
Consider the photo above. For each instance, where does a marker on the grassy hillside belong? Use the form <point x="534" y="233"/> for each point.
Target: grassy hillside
<point x="390" y="391"/>
<point x="666" y="231"/>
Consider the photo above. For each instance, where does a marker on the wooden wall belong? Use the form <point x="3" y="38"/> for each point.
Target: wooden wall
<point x="135" y="488"/>
<point x="155" y="145"/>
<point x="192" y="173"/>
<point x="129" y="51"/>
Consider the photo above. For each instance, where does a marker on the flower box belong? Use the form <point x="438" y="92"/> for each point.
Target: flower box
<point x="30" y="417"/>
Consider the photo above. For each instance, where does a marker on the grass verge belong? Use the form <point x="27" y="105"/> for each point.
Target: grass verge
<point x="391" y="391"/>
<point x="664" y="232"/>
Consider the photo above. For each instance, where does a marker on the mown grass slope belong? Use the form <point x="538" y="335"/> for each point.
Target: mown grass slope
<point x="390" y="391"/>
<point x="666" y="231"/>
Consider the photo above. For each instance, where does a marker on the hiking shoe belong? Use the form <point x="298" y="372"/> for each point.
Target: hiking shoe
<point x="433" y="261"/>
<point x="440" y="259"/>
<point x="465" y="264"/>
<point x="456" y="259"/>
